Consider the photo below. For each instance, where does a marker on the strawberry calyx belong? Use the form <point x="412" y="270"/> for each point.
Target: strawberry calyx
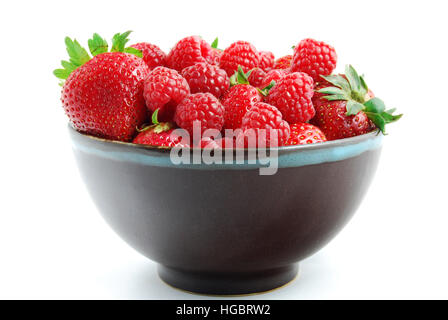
<point x="97" y="45"/>
<point x="265" y="91"/>
<point x="214" y="44"/>
<point x="352" y="88"/>
<point x="156" y="126"/>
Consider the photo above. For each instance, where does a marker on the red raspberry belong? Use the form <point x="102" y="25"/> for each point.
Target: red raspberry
<point x="273" y="75"/>
<point x="267" y="117"/>
<point x="304" y="133"/>
<point x="266" y="60"/>
<point x="215" y="57"/>
<point x="236" y="102"/>
<point x="152" y="54"/>
<point x="283" y="62"/>
<point x="314" y="58"/>
<point x="203" y="107"/>
<point x="164" y="89"/>
<point x="256" y="77"/>
<point x="240" y="53"/>
<point x="292" y="96"/>
<point x="189" y="51"/>
<point x="203" y="77"/>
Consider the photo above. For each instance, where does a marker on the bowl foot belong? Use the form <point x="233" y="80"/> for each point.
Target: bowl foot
<point x="228" y="283"/>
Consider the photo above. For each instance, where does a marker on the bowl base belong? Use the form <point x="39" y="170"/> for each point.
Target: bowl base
<point x="228" y="283"/>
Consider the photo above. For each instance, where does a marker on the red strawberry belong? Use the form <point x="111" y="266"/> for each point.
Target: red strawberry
<point x="304" y="133"/>
<point x="152" y="54"/>
<point x="189" y="51"/>
<point x="262" y="121"/>
<point x="292" y="96"/>
<point x="273" y="75"/>
<point x="256" y="77"/>
<point x="238" y="100"/>
<point x="103" y="95"/>
<point x="283" y="62"/>
<point x="161" y="135"/>
<point x="314" y="58"/>
<point x="240" y="53"/>
<point x="164" y="89"/>
<point x="203" y="77"/>
<point x="202" y="107"/>
<point x="346" y="109"/>
<point x="266" y="60"/>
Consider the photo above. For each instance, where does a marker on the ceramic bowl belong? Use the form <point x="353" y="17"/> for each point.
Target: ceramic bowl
<point x="224" y="228"/>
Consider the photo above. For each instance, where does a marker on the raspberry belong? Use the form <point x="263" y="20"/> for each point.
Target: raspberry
<point x="203" y="107"/>
<point x="152" y="54"/>
<point x="203" y="77"/>
<point x="304" y="133"/>
<point x="215" y="57"/>
<point x="267" y="117"/>
<point x="266" y="60"/>
<point x="240" y="53"/>
<point x="236" y="102"/>
<point x="292" y="96"/>
<point x="314" y="58"/>
<point x="273" y="75"/>
<point x="283" y="62"/>
<point x="164" y="89"/>
<point x="256" y="77"/>
<point x="187" y="52"/>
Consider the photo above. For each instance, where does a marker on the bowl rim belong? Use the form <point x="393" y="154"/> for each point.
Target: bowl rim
<point x="321" y="145"/>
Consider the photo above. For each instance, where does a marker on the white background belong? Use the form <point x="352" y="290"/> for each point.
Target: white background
<point x="53" y="242"/>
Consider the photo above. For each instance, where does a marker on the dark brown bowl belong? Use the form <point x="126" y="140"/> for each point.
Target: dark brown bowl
<point x="224" y="228"/>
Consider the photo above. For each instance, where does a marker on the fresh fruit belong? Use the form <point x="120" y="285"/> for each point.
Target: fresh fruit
<point x="347" y="109"/>
<point x="187" y="52"/>
<point x="202" y="107"/>
<point x="266" y="60"/>
<point x="103" y="95"/>
<point x="273" y="75"/>
<point x="304" y="133"/>
<point x="292" y="96"/>
<point x="240" y="53"/>
<point x="152" y="54"/>
<point x="283" y="62"/>
<point x="315" y="58"/>
<point x="216" y="53"/>
<point x="164" y="89"/>
<point x="160" y="135"/>
<point x="263" y="123"/>
<point x="256" y="77"/>
<point x="238" y="100"/>
<point x="203" y="77"/>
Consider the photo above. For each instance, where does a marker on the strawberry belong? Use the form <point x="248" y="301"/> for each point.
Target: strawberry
<point x="292" y="96"/>
<point x="187" y="52"/>
<point x="152" y="54"/>
<point x="315" y="58"/>
<point x="103" y="95"/>
<point x="238" y="100"/>
<point x="240" y="53"/>
<point x="160" y="135"/>
<point x="304" y="133"/>
<point x="283" y="62"/>
<point x="347" y="108"/>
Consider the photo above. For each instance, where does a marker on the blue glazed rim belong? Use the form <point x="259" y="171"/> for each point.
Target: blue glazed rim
<point x="288" y="156"/>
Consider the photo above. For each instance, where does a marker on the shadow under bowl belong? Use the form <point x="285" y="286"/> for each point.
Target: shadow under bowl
<point x="224" y="228"/>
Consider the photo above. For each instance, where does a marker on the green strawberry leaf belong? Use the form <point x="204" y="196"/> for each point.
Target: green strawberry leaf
<point x="134" y="51"/>
<point x="332" y="90"/>
<point x="378" y="120"/>
<point x="97" y="45"/>
<point x="353" y="78"/>
<point x="390" y="117"/>
<point x="214" y="44"/>
<point x="363" y="84"/>
<point x="353" y="107"/>
<point x="375" y="105"/>
<point x="265" y="91"/>
<point x="61" y="73"/>
<point x="154" y="116"/>
<point x="338" y="81"/>
<point x="119" y="41"/>
<point x="335" y="97"/>
<point x="78" y="55"/>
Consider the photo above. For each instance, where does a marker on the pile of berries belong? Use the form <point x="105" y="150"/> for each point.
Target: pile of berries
<point x="292" y="100"/>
